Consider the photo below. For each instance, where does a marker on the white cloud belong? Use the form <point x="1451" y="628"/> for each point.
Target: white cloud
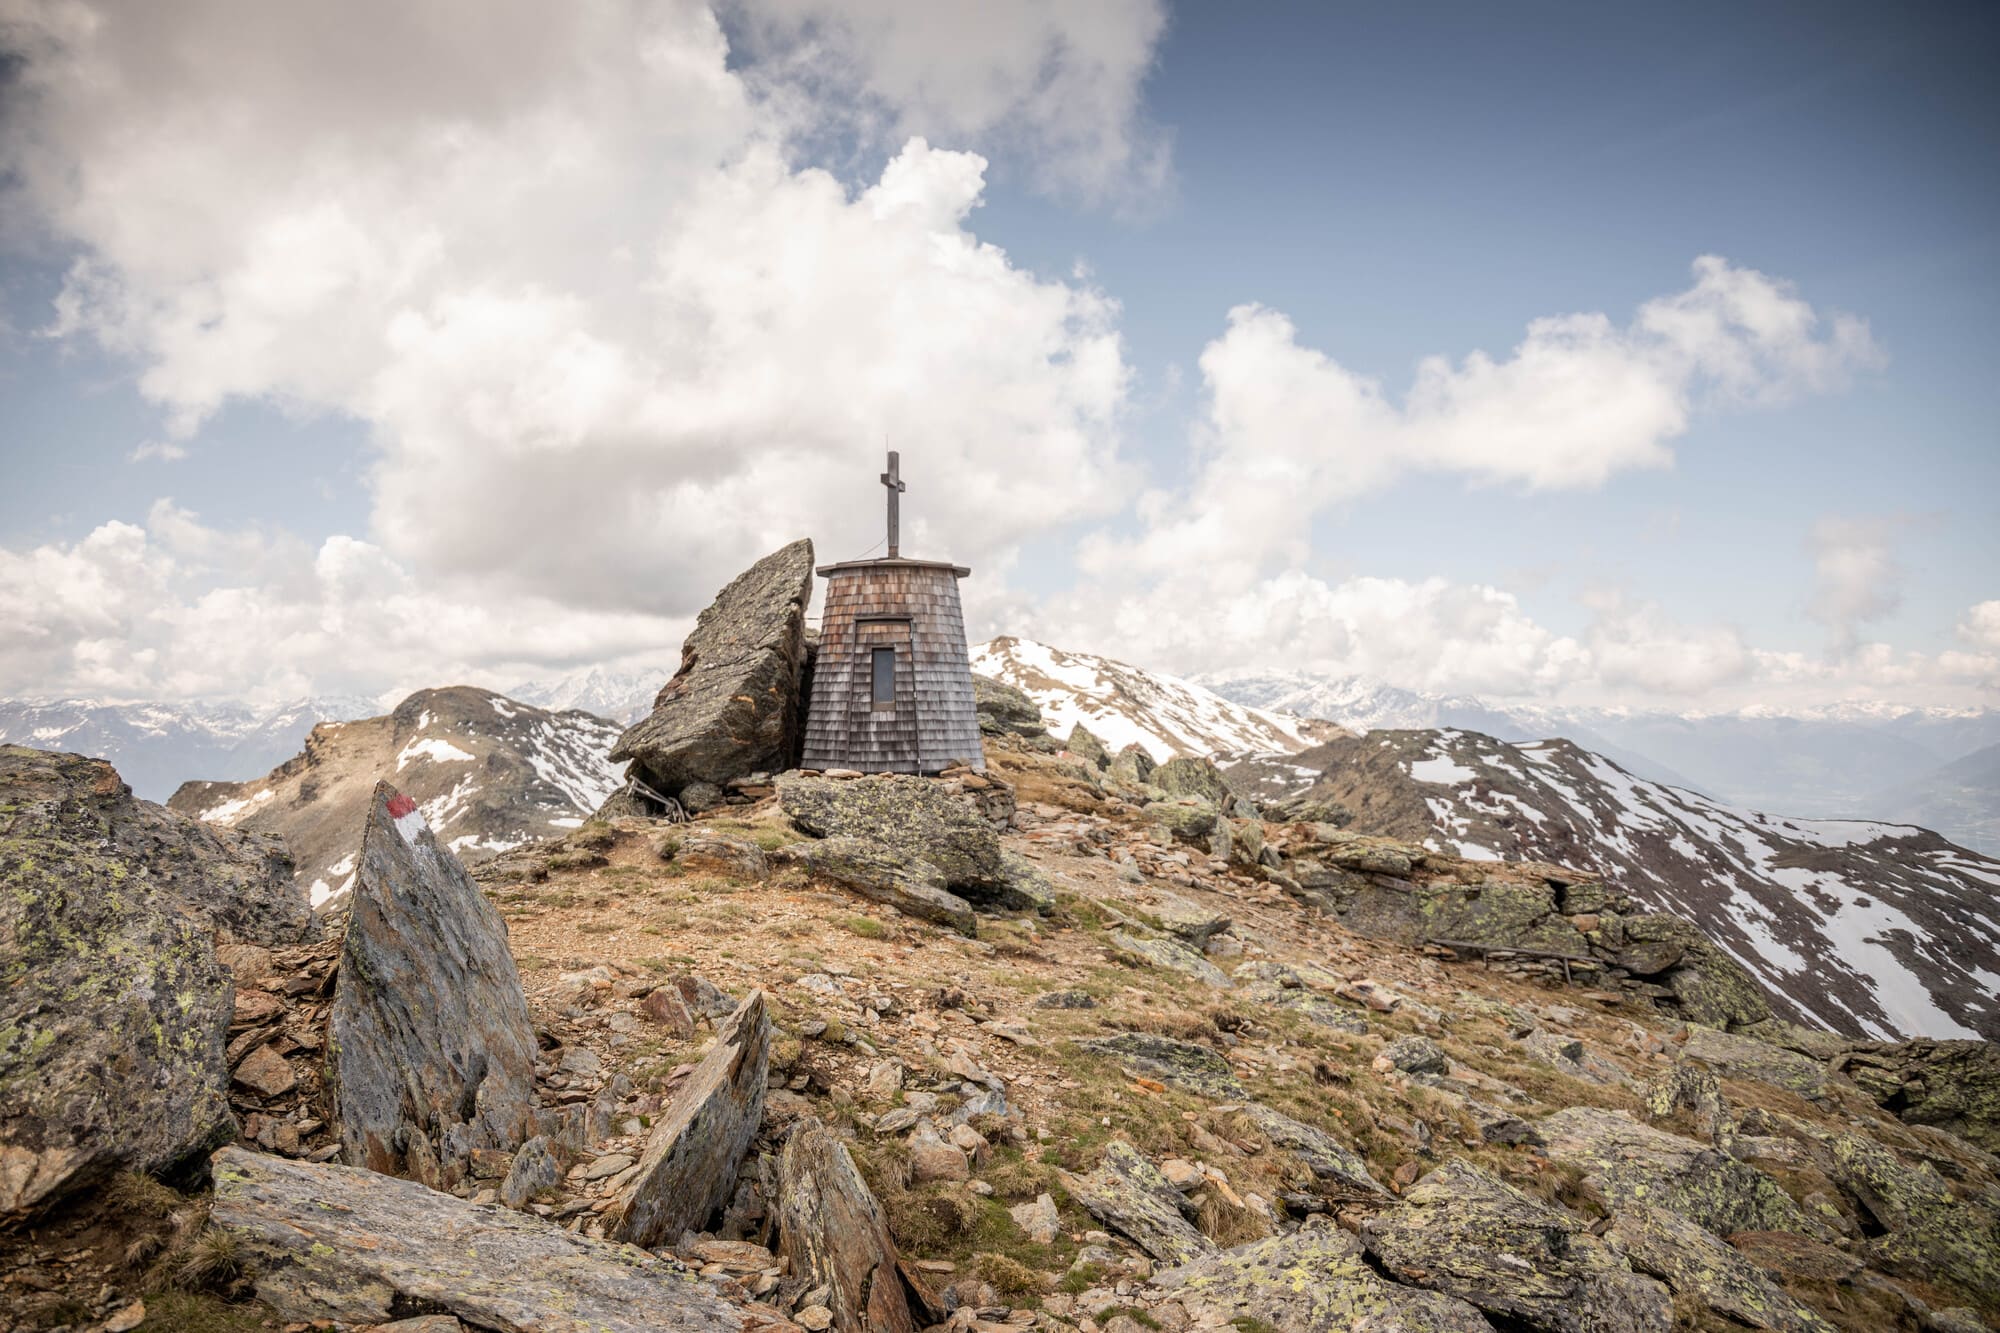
<point x="160" y="451"/>
<point x="1856" y="577"/>
<point x="1291" y="433"/>
<point x="178" y="609"/>
<point x="1981" y="626"/>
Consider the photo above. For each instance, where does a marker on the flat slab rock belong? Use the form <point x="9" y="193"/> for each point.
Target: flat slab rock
<point x="1316" y="1280"/>
<point x="918" y="820"/>
<point x="1186" y="1065"/>
<point x="333" y="1242"/>
<point x="913" y="887"/>
<point x="114" y="1008"/>
<point x="1128" y="1194"/>
<point x="690" y="1163"/>
<point x="1471" y="1235"/>
<point x="430" y="1049"/>
<point x="734" y="707"/>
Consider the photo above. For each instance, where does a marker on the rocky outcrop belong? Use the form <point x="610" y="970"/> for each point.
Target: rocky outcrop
<point x="735" y="707"/>
<point x="1170" y="954"/>
<point x="1927" y="1230"/>
<point x="1316" y="1280"/>
<point x="430" y="1049"/>
<point x="1631" y="1163"/>
<point x="1084" y="746"/>
<point x="1006" y="711"/>
<point x="1133" y="766"/>
<point x="917" y="821"/>
<point x="1734" y="1056"/>
<point x="327" y="1242"/>
<point x="1128" y="1194"/>
<point x="689" y="1167"/>
<point x="1954" y="1085"/>
<point x="1335" y="1170"/>
<point x="1467" y="1234"/>
<point x="833" y="1232"/>
<point x="113" y="1006"/>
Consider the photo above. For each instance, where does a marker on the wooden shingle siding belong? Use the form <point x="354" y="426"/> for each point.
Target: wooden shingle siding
<point x="913" y="607"/>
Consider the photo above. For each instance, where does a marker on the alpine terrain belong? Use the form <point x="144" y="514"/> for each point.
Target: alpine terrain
<point x="489" y="773"/>
<point x="1860" y="927"/>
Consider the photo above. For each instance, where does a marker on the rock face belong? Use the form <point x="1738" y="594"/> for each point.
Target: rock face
<point x="430" y="1049"/>
<point x="1700" y="1268"/>
<point x="113" y="1006"/>
<point x="735" y="707"/>
<point x="1188" y="776"/>
<point x="916" y="821"/>
<point x="1467" y="1234"/>
<point x="913" y="887"/>
<point x="690" y="1163"/>
<point x="331" y="1242"/>
<point x="489" y="773"/>
<point x="832" y="1230"/>
<point x="1006" y="711"/>
<point x="1631" y="1163"/>
<point x="1953" y="1085"/>
<point x="1316" y="1280"/>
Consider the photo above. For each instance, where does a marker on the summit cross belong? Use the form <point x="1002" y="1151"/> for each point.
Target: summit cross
<point x="894" y="481"/>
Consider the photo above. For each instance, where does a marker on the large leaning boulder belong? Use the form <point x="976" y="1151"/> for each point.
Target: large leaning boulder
<point x="333" y="1243"/>
<point x="736" y="706"/>
<point x="836" y="1237"/>
<point x="113" y="1007"/>
<point x="430" y="1051"/>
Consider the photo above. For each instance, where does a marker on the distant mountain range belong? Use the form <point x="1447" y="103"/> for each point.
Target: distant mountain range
<point x="489" y="773"/>
<point x="1123" y="705"/>
<point x="1866" y="928"/>
<point x="1840" y="761"/>
<point x="622" y="696"/>
<point x="157" y="746"/>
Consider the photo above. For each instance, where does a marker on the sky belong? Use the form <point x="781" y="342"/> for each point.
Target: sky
<point x="1585" y="354"/>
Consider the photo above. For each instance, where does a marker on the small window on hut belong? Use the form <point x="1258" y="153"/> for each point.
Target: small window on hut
<point x="884" y="691"/>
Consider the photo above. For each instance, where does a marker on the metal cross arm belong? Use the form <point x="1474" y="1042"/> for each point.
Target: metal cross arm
<point x="894" y="481"/>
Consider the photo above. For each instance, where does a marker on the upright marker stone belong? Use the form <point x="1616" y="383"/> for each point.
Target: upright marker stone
<point x="430" y="1050"/>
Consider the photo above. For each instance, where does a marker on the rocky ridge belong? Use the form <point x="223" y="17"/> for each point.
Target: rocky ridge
<point x="1868" y="929"/>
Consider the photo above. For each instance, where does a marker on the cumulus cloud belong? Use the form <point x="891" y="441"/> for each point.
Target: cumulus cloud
<point x="1856" y="577"/>
<point x="609" y="341"/>
<point x="158" y="451"/>
<point x="1290" y="432"/>
<point x="175" y="608"/>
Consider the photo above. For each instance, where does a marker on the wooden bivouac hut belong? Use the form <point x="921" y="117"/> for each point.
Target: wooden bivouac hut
<point x="892" y="690"/>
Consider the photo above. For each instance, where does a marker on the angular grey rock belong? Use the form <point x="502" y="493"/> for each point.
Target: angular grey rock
<point x="1133" y="765"/>
<point x="1084" y="745"/>
<point x="333" y="1242"/>
<point x="1954" y="1085"/>
<point x="1334" y="1167"/>
<point x="736" y="706"/>
<point x="113" y="1007"/>
<point x="1038" y="1219"/>
<point x="834" y="1233"/>
<point x="1470" y="1235"/>
<point x="1931" y="1233"/>
<point x="1187" y="920"/>
<point x="1196" y="777"/>
<point x="535" y="1168"/>
<point x="913" y="887"/>
<point x="1004" y="710"/>
<point x="1701" y="1268"/>
<point x="1128" y="1194"/>
<point x="429" y="1044"/>
<point x="1416" y="1055"/>
<point x="1316" y="1280"/>
<point x="1178" y="1064"/>
<point x="689" y="1167"/>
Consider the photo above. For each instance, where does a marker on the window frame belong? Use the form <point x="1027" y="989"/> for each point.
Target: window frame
<point x="876" y="682"/>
